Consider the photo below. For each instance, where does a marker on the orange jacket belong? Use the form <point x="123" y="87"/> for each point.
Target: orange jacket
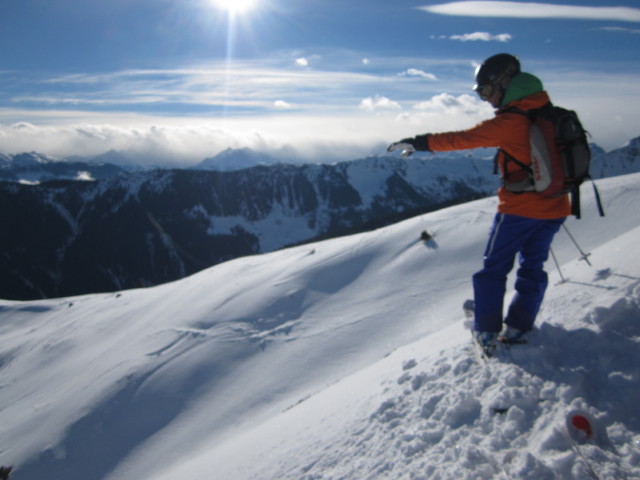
<point x="510" y="132"/>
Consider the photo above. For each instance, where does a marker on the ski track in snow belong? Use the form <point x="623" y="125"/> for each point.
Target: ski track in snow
<point x="345" y="359"/>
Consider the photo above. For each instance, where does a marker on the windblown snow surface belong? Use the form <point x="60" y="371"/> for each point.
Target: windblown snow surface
<point x="344" y="359"/>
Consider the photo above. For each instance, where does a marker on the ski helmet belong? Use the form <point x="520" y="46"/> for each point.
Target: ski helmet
<point x="494" y="69"/>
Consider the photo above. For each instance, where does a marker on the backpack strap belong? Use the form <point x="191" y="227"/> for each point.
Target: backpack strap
<point x="531" y="115"/>
<point x="575" y="200"/>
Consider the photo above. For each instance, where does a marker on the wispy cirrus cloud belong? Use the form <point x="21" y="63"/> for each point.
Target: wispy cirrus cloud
<point x="483" y="37"/>
<point x="210" y="88"/>
<point x="533" y="10"/>
<point x="634" y="31"/>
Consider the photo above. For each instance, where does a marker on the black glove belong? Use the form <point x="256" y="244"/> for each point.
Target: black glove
<point x="411" y="145"/>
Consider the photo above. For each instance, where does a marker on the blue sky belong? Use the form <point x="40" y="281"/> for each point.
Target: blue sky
<point x="181" y="80"/>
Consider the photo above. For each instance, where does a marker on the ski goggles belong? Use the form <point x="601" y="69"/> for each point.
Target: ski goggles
<point x="485" y="91"/>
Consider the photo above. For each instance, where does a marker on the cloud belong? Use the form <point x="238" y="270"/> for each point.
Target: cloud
<point x="634" y="31"/>
<point x="533" y="10"/>
<point x="482" y="36"/>
<point x="446" y="104"/>
<point x="282" y="105"/>
<point x="244" y="87"/>
<point x="159" y="144"/>
<point x="200" y="111"/>
<point x="186" y="142"/>
<point x="302" y="62"/>
<point x="376" y="103"/>
<point x="414" y="72"/>
<point x="23" y="127"/>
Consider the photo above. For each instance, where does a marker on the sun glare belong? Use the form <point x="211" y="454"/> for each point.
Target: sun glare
<point x="235" y="6"/>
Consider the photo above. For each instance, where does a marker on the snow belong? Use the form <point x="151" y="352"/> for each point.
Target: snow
<point x="347" y="358"/>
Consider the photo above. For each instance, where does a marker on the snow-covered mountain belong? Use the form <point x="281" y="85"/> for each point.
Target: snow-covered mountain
<point x="143" y="228"/>
<point x="346" y="358"/>
<point x="146" y="228"/>
<point x="114" y="157"/>
<point x="616" y="162"/>
<point x="238" y="159"/>
<point x="33" y="168"/>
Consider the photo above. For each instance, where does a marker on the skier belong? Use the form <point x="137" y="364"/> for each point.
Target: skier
<point x="525" y="222"/>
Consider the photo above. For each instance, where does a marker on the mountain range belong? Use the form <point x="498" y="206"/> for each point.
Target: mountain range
<point x="126" y="227"/>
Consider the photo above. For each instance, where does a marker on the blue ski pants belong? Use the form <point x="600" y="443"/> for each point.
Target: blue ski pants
<point x="510" y="235"/>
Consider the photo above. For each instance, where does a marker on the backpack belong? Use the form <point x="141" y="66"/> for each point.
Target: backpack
<point x="560" y="156"/>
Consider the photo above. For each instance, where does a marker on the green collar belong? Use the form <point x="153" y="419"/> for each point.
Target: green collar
<point x="521" y="86"/>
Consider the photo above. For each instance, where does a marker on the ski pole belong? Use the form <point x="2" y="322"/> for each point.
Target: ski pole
<point x="555" y="260"/>
<point x="584" y="256"/>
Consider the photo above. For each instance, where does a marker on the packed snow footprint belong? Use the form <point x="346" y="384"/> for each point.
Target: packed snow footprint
<point x="459" y="414"/>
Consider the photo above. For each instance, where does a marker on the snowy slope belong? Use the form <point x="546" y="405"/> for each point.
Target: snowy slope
<point x="343" y="359"/>
<point x="430" y="411"/>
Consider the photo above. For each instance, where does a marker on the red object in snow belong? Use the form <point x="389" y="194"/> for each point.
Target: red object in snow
<point x="582" y="423"/>
<point x="580" y="426"/>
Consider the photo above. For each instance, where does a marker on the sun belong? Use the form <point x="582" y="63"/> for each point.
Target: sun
<point x="235" y="6"/>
